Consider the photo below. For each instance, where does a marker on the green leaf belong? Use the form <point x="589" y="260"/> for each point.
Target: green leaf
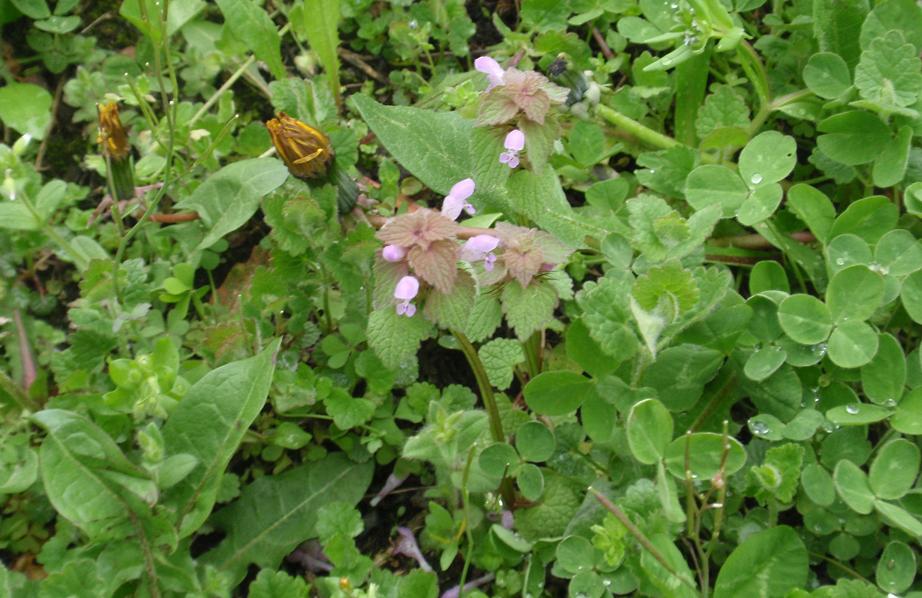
<point x="14" y="215"/>
<point x="854" y="294"/>
<point x="911" y="296"/>
<point x="898" y="253"/>
<point x="680" y="373"/>
<point x="890" y="165"/>
<point x="586" y="352"/>
<point x="857" y="414"/>
<point x="899" y="517"/>
<point x="827" y="75"/>
<point x="813" y="207"/>
<point x="574" y="554"/>
<point x="884" y="377"/>
<point x="649" y="431"/>
<point x="715" y="185"/>
<point x="818" y="484"/>
<point x="760" y="205"/>
<point x="528" y="309"/>
<point x="550" y="517"/>
<point x="768" y="158"/>
<point x="249" y="23"/>
<point x="26" y="108"/>
<point x="605" y="312"/>
<point x="497" y="458"/>
<point x="764" y="362"/>
<point x="894" y="469"/>
<point x="853" y="138"/>
<point x="889" y="71"/>
<point x="276" y="513"/>
<point x="852" y="486"/>
<point x="348" y="411"/>
<point x="499" y="357"/>
<point x="435" y="147"/>
<point x="277" y="584"/>
<point x="768" y="275"/>
<point x="557" y="392"/>
<point x="530" y="481"/>
<point x="535" y="442"/>
<point x="896" y="568"/>
<point x="836" y="26"/>
<point x="805" y="319"/>
<point x="901" y="15"/>
<point x="852" y="345"/>
<point x="209" y="424"/>
<point x="705" y="452"/>
<point x="767" y="564"/>
<point x="395" y="339"/>
<point x="319" y="24"/>
<point x="779" y="474"/>
<point x="724" y="108"/>
<point x="86" y="476"/>
<point x="908" y="416"/>
<point x="869" y="218"/>
<point x="229" y="198"/>
<point x="452" y="310"/>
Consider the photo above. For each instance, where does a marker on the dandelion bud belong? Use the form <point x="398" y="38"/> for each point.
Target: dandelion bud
<point x="115" y="147"/>
<point x="305" y="150"/>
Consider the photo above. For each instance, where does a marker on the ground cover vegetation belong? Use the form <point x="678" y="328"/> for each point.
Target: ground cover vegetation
<point x="367" y="298"/>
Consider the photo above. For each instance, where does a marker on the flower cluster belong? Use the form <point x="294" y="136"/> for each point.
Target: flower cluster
<point x="422" y="249"/>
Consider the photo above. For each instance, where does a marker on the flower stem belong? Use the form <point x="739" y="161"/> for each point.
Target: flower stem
<point x="483" y="383"/>
<point x="489" y="402"/>
<point x="641" y="132"/>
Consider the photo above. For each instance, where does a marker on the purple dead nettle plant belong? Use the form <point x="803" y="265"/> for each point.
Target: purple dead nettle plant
<point x="522" y="99"/>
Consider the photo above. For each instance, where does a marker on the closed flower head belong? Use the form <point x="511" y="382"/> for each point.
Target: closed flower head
<point x="112" y="135"/>
<point x="456" y="200"/>
<point x="305" y="150"/>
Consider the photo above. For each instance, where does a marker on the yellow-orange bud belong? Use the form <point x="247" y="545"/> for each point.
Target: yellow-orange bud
<point x="112" y="135"/>
<point x="305" y="150"/>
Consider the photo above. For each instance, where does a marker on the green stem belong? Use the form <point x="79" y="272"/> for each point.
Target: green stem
<point x="483" y="383"/>
<point x="755" y="70"/>
<point x="489" y="402"/>
<point x="639" y="536"/>
<point x="641" y="132"/>
<point x="533" y="354"/>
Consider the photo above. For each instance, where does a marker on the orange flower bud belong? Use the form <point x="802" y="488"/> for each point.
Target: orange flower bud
<point x="112" y="135"/>
<point x="305" y="150"/>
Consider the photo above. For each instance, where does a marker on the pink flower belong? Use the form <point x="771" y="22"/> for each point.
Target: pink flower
<point x="480" y="247"/>
<point x="514" y="143"/>
<point x="406" y="289"/>
<point x="494" y="72"/>
<point x="456" y="200"/>
<point x="393" y="253"/>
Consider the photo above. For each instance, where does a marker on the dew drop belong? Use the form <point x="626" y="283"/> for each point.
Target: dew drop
<point x="756" y="178"/>
<point x="852" y="409"/>
<point x="840" y="261"/>
<point x="890" y="403"/>
<point x="759" y="428"/>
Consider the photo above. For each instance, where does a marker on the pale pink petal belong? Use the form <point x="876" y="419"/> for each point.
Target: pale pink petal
<point x="452" y="206"/>
<point x="463" y="189"/>
<point x="515" y="140"/>
<point x="491" y="69"/>
<point x="393" y="253"/>
<point x="407" y="288"/>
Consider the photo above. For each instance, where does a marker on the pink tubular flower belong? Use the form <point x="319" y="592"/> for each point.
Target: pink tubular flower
<point x="393" y="253"/>
<point x="480" y="247"/>
<point x="406" y="289"/>
<point x="514" y="143"/>
<point x="456" y="200"/>
<point x="494" y="72"/>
